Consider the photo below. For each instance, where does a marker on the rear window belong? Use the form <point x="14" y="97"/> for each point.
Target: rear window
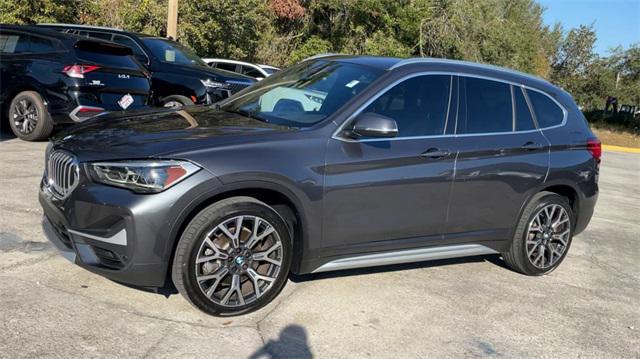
<point x="106" y="54"/>
<point x="548" y="113"/>
<point x="488" y="107"/>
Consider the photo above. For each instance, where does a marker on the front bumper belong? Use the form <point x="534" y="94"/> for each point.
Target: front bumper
<point x="121" y="235"/>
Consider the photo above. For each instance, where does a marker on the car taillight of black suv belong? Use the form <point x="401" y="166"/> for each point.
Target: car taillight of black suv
<point x="394" y="161"/>
<point x="49" y="78"/>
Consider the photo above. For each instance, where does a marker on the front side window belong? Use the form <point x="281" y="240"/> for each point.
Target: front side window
<point x="418" y="105"/>
<point x="251" y="71"/>
<point x="226" y="66"/>
<point x="303" y="94"/>
<point x="548" y="113"/>
<point x="172" y="52"/>
<point x="487" y="107"/>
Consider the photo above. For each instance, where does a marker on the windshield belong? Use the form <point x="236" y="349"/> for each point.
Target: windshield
<point x="303" y="94"/>
<point x="171" y="51"/>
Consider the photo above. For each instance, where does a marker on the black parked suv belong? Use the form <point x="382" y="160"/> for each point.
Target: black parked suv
<point x="48" y="78"/>
<point x="404" y="161"/>
<point x="179" y="77"/>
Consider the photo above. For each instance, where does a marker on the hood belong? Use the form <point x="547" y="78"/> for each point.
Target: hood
<point x="161" y="132"/>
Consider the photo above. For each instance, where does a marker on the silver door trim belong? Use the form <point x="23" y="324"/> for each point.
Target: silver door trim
<point x="405" y="256"/>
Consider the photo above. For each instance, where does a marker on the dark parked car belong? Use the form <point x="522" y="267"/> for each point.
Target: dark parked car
<point x="179" y="77"/>
<point x="404" y="161"/>
<point x="48" y="78"/>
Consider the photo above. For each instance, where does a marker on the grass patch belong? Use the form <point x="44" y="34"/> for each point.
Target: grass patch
<point x="621" y="129"/>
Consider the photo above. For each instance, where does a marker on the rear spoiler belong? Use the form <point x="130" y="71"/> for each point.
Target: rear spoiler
<point x="103" y="47"/>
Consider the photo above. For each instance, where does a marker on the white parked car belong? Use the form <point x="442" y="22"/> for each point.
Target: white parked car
<point x="256" y="71"/>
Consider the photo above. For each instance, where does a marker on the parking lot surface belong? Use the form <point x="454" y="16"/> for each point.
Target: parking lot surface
<point x="588" y="307"/>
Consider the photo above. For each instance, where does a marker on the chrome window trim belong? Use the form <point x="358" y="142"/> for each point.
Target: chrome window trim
<point x="336" y="133"/>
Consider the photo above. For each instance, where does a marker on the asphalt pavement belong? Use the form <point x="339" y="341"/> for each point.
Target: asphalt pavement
<point x="588" y="307"/>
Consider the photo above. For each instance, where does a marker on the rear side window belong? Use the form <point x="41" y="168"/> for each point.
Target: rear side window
<point x="41" y="45"/>
<point x="106" y="55"/>
<point x="16" y="43"/>
<point x="126" y="41"/>
<point x="228" y="67"/>
<point x="524" y="120"/>
<point x="548" y="113"/>
<point x="418" y="105"/>
<point x="488" y="107"/>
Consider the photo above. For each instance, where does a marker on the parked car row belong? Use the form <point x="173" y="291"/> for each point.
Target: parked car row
<point x="57" y="74"/>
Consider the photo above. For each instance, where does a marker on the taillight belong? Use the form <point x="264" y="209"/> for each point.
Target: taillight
<point x="78" y="71"/>
<point x="595" y="147"/>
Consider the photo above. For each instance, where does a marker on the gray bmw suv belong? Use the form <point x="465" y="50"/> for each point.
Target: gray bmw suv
<point x="337" y="162"/>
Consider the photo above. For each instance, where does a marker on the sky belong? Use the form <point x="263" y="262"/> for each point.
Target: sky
<point x="616" y="22"/>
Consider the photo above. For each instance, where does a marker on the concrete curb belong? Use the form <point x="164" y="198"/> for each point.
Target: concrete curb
<point x="621" y="149"/>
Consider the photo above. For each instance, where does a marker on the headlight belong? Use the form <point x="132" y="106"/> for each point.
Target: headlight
<point x="141" y="176"/>
<point x="211" y="84"/>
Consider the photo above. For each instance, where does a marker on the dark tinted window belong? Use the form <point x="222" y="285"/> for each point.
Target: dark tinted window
<point x="172" y="52"/>
<point x="226" y="66"/>
<point x="39" y="45"/>
<point x="488" y="107"/>
<point x="110" y="56"/>
<point x="524" y="120"/>
<point x="14" y="43"/>
<point x="418" y="105"/>
<point x="548" y="113"/>
<point x="126" y="41"/>
<point x="250" y="71"/>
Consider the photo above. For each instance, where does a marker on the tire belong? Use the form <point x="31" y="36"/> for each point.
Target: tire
<point x="525" y="253"/>
<point x="176" y="101"/>
<point x="29" y="118"/>
<point x="220" y="273"/>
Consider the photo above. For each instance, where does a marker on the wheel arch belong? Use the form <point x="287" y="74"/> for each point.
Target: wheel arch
<point x="281" y="199"/>
<point x="562" y="188"/>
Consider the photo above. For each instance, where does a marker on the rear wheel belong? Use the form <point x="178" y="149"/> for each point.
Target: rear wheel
<point x="29" y="118"/>
<point x="543" y="235"/>
<point x="233" y="257"/>
<point x="176" y="101"/>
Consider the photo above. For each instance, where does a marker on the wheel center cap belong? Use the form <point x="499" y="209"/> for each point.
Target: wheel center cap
<point x="239" y="260"/>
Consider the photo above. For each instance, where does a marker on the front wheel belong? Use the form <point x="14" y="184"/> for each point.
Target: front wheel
<point x="543" y="235"/>
<point x="233" y="257"/>
<point x="176" y="101"/>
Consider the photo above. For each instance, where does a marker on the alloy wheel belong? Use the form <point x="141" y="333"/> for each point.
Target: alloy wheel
<point x="25" y="116"/>
<point x="548" y="236"/>
<point x="239" y="260"/>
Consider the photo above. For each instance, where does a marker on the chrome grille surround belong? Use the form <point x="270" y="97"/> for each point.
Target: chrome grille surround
<point x="236" y="86"/>
<point x="62" y="173"/>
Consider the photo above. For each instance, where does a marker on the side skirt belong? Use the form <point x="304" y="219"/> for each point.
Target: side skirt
<point x="405" y="256"/>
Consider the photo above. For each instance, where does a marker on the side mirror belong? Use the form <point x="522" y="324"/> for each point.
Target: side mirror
<point x="218" y="94"/>
<point x="373" y="125"/>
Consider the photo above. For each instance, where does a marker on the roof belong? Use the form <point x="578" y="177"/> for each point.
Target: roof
<point x="38" y="30"/>
<point x="437" y="64"/>
<point x="97" y="28"/>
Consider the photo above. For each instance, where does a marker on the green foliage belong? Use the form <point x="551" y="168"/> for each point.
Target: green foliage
<point x="508" y="33"/>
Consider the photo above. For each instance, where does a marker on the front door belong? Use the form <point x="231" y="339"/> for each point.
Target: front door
<point x="393" y="193"/>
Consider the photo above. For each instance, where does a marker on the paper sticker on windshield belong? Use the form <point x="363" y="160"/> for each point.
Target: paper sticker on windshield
<point x="125" y="101"/>
<point x="352" y="83"/>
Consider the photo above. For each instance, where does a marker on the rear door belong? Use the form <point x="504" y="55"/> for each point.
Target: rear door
<point x="502" y="158"/>
<point x="110" y="75"/>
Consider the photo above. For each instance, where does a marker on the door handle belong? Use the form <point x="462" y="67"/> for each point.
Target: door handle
<point x="434" y="153"/>
<point x="531" y="146"/>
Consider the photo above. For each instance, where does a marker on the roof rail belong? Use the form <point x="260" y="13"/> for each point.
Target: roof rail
<point x="82" y="26"/>
<point x="433" y="60"/>
<point x="327" y="54"/>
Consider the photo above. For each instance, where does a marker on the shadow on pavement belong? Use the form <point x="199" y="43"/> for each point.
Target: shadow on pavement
<point x="5" y="131"/>
<point x="292" y="343"/>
